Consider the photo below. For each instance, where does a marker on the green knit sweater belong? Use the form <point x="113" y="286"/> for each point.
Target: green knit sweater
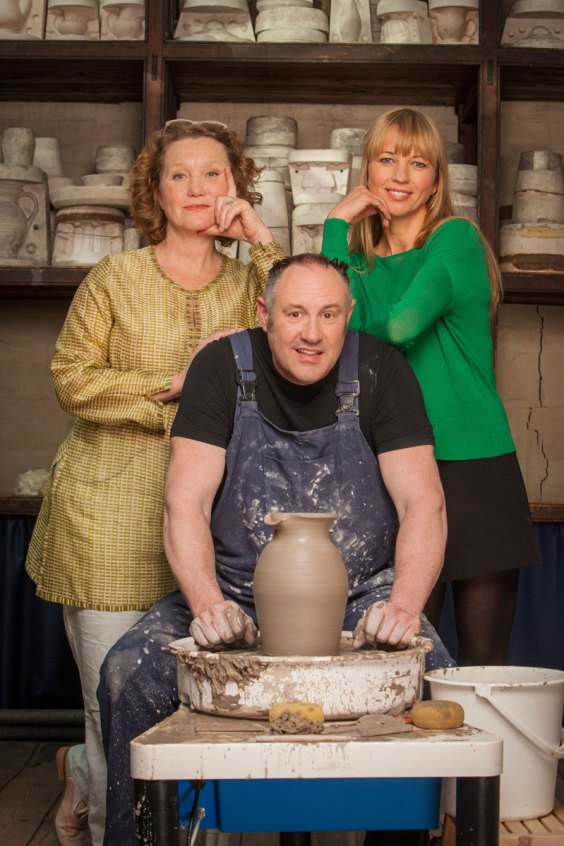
<point x="433" y="303"/>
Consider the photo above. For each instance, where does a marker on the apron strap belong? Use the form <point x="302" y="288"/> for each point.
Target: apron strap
<point x="347" y="389"/>
<point x="348" y="386"/>
<point x="246" y="376"/>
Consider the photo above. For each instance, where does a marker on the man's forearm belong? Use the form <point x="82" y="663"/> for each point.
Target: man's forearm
<point x="419" y="556"/>
<point x="190" y="553"/>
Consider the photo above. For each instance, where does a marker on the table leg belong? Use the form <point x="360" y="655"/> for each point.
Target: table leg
<point x="294" y="838"/>
<point x="156" y="813"/>
<point x="477" y="811"/>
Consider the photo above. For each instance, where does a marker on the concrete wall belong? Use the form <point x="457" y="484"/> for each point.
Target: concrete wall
<point x="31" y="422"/>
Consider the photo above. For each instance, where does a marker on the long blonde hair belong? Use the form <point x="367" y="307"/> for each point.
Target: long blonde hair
<point x="415" y="132"/>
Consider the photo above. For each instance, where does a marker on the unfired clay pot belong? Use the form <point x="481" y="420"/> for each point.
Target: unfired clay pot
<point x="300" y="587"/>
<point x="18" y="144"/>
<point x="14" y="221"/>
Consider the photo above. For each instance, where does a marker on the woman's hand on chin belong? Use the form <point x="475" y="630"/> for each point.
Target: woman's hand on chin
<point x="235" y="218"/>
<point x="360" y="203"/>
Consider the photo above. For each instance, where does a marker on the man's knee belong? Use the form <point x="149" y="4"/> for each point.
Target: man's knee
<point x="119" y="669"/>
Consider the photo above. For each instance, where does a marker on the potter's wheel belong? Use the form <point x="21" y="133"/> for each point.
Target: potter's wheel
<point x="246" y="682"/>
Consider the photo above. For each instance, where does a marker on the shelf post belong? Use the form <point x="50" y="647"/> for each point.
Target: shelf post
<point x="489" y="123"/>
<point x="157" y="96"/>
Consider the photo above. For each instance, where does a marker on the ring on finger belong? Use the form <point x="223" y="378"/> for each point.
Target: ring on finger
<point x="229" y="202"/>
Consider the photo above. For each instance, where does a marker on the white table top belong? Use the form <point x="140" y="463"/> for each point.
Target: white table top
<point x="188" y="745"/>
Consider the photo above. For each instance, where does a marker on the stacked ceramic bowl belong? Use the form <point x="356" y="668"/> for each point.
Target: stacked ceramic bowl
<point x="215" y="20"/>
<point x="463" y="180"/>
<point x="270" y="139"/>
<point x="90" y="217"/>
<point x="534" y="238"/>
<point x="290" y="21"/>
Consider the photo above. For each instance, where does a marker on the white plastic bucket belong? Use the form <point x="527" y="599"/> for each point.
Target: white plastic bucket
<point x="523" y="706"/>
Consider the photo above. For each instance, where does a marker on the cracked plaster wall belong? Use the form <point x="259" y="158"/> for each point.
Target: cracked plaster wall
<point x="530" y="377"/>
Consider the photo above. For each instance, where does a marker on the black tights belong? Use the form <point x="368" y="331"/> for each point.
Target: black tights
<point x="484" y="608"/>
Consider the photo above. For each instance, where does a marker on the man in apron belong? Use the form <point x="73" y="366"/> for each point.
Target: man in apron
<point x="300" y="415"/>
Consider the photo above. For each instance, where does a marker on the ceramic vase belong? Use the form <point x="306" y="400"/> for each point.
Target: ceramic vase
<point x="13" y="220"/>
<point x="18" y="144"/>
<point x="114" y="158"/>
<point x="268" y="130"/>
<point x="300" y="586"/>
<point x="73" y="20"/>
<point x="13" y="14"/>
<point x="47" y="156"/>
<point x="122" y="20"/>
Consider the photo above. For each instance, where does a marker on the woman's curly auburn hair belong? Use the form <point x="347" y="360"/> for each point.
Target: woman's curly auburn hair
<point x="145" y="175"/>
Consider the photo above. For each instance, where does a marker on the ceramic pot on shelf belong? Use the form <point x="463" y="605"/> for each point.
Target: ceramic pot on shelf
<point x="300" y="586"/>
<point x="14" y="222"/>
<point x="14" y="14"/>
<point x="18" y="145"/>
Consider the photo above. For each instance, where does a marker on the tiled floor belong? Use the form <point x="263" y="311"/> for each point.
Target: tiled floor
<point x="29" y="794"/>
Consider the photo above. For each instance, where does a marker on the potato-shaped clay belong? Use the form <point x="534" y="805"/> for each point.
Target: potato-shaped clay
<point x="306" y="710"/>
<point x="437" y="714"/>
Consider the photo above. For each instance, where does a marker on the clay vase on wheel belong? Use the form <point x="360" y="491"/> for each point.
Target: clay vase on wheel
<point x="300" y="587"/>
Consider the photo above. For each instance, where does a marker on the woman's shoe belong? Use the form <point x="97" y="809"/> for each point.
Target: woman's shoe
<point x="71" y="819"/>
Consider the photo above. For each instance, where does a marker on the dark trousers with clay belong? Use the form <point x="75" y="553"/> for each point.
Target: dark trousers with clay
<point x="138" y="688"/>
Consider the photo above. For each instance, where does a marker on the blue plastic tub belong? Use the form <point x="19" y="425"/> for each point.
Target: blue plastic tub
<point x="348" y="804"/>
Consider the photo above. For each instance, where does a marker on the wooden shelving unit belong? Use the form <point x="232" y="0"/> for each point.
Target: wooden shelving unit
<point x="161" y="73"/>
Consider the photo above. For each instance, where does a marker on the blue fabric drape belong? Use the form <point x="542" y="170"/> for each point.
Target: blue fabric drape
<point x="538" y="634"/>
<point x="37" y="669"/>
<point x="537" y="639"/>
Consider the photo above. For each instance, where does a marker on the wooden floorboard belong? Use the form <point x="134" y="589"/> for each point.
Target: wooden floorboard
<point x="29" y="793"/>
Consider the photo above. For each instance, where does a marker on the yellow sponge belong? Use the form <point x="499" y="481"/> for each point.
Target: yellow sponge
<point x="437" y="714"/>
<point x="296" y="718"/>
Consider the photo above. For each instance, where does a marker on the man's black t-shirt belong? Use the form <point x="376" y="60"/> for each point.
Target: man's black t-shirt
<point x="392" y="412"/>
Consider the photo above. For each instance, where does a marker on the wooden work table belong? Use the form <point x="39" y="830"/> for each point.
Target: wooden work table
<point x="190" y="746"/>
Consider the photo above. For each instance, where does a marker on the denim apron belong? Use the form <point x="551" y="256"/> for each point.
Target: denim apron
<point x="328" y="469"/>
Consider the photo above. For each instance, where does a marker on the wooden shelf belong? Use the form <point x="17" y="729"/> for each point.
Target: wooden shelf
<point x="529" y="74"/>
<point x="40" y="281"/>
<point x="313" y="73"/>
<point x="55" y="282"/>
<point x="537" y="288"/>
<point x="20" y="505"/>
<point x="541" y="512"/>
<point x="104" y="72"/>
<point x="547" y="512"/>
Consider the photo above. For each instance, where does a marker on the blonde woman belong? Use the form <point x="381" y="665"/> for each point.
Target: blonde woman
<point x="427" y="282"/>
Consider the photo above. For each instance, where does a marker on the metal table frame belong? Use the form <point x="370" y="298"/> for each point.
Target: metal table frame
<point x="178" y="749"/>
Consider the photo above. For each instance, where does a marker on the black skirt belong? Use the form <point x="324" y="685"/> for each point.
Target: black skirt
<point x="489" y="522"/>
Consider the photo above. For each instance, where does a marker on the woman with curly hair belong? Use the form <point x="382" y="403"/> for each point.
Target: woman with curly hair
<point x="131" y="331"/>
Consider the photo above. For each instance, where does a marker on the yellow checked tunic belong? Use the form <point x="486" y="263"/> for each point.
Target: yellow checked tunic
<point x="97" y="542"/>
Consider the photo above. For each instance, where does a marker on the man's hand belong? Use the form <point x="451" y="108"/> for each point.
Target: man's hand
<point x="385" y="622"/>
<point x="224" y="622"/>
